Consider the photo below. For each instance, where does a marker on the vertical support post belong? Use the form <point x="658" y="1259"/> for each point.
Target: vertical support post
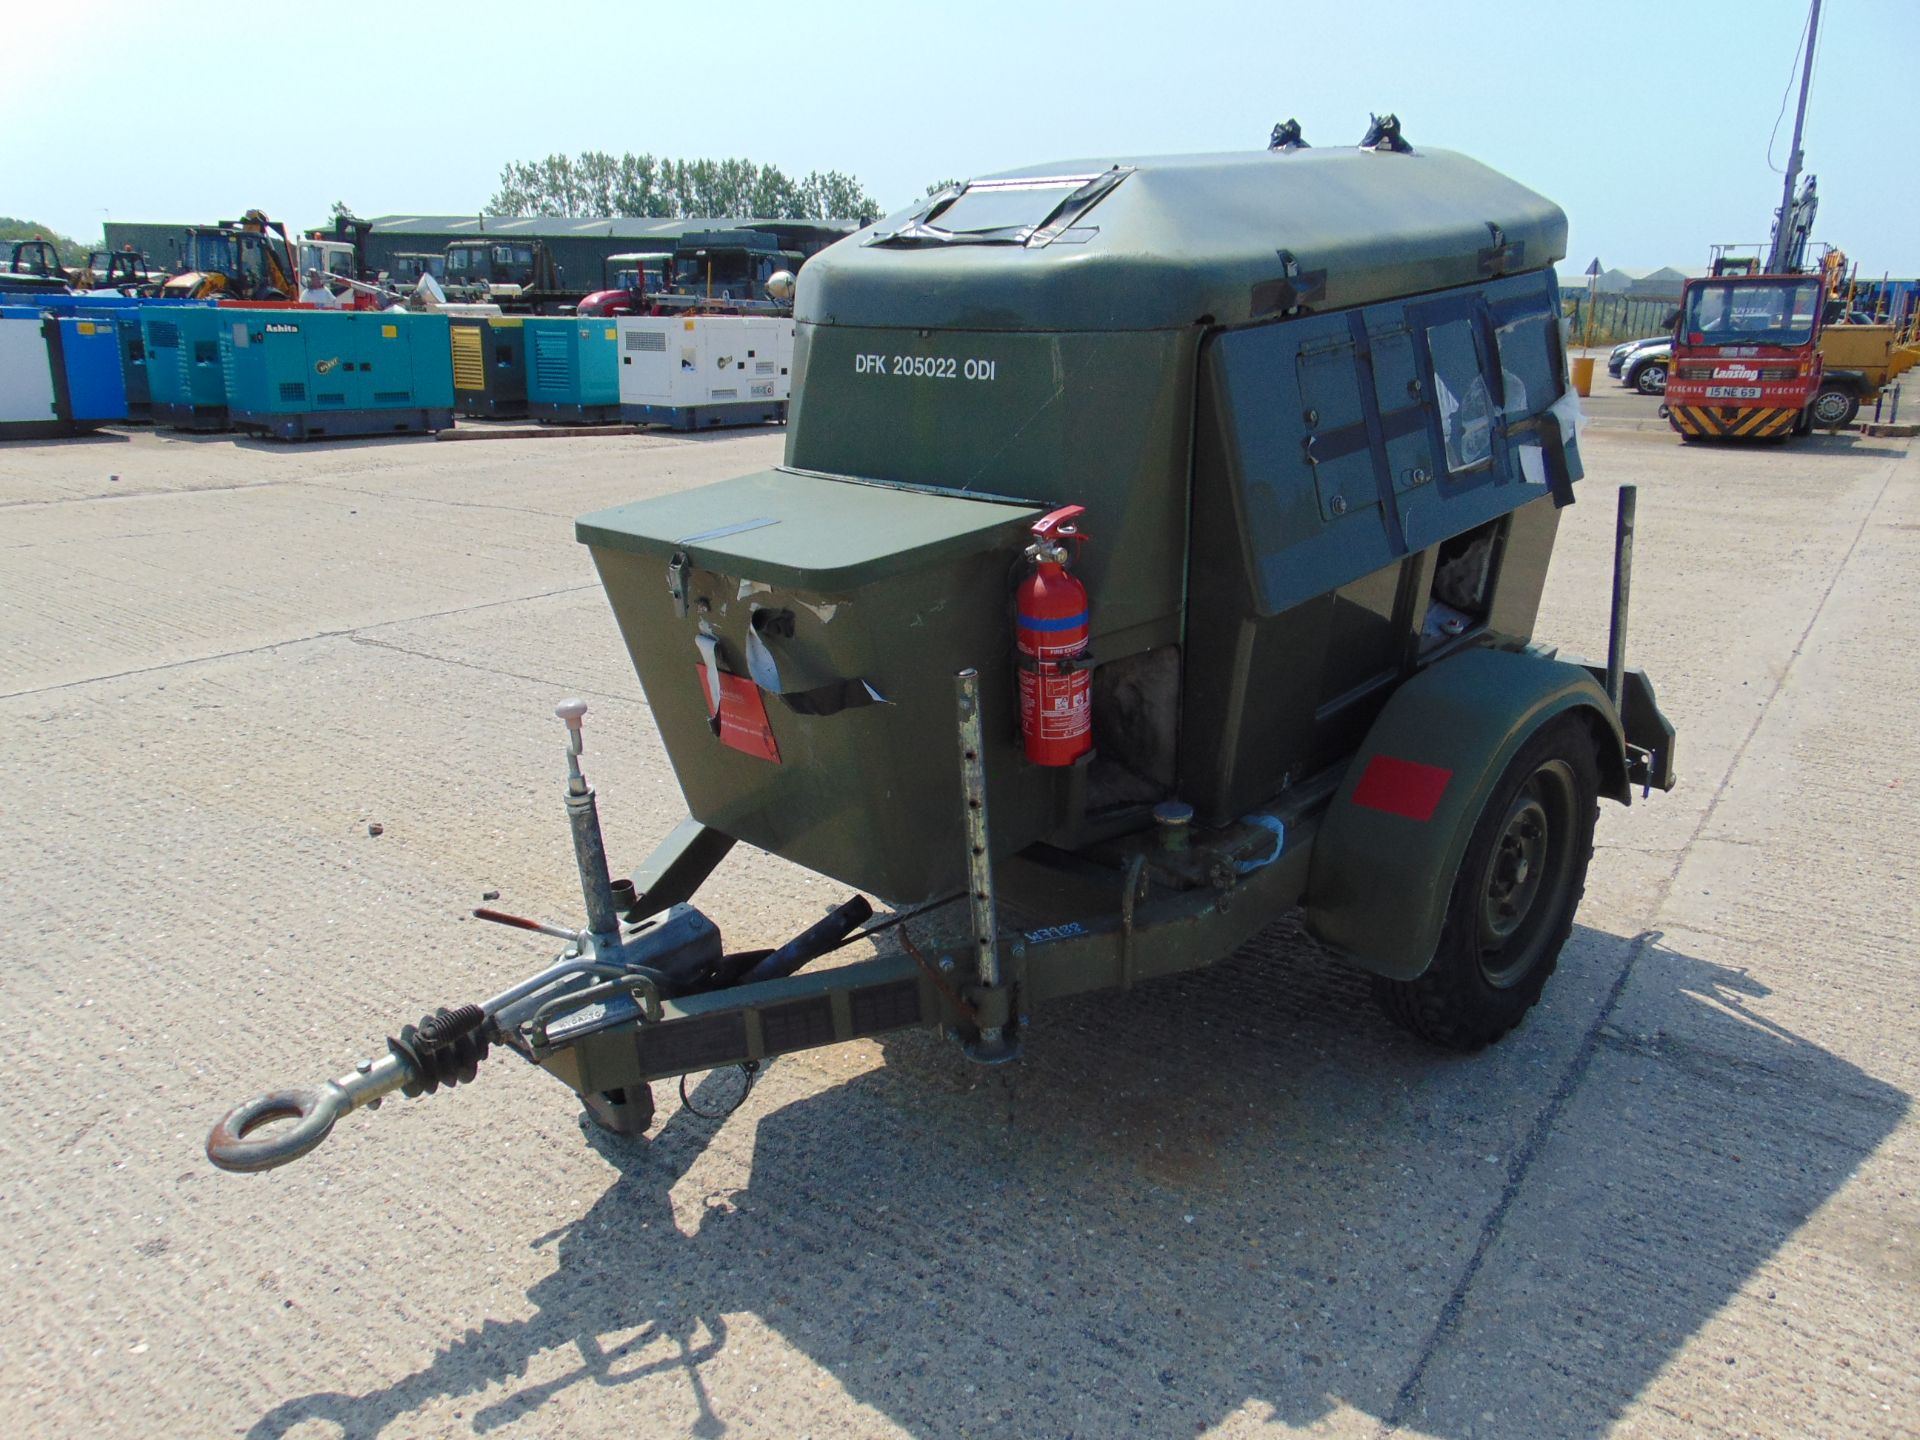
<point x="1622" y="584"/>
<point x="994" y="1041"/>
<point x="589" y="848"/>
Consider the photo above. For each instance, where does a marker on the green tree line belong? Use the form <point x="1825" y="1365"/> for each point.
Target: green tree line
<point x="71" y="251"/>
<point x="596" y="183"/>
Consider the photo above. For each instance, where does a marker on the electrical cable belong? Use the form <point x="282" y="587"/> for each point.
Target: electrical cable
<point x="892" y="921"/>
<point x="1774" y="134"/>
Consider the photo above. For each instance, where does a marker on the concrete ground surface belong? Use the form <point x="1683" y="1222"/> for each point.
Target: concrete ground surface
<point x="1682" y="1199"/>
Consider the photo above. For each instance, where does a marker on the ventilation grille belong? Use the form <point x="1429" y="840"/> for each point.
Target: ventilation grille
<point x="723" y="394"/>
<point x="335" y="398"/>
<point x="654" y="340"/>
<point x="763" y="367"/>
<point x="292" y="391"/>
<point x="469" y="360"/>
<point x="550" y="368"/>
<point x="392" y="397"/>
<point x="166" y="335"/>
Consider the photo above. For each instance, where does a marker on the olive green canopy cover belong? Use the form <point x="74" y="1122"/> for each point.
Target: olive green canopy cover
<point x="1182" y="240"/>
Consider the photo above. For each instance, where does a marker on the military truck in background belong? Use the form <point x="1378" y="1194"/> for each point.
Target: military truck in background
<point x="518" y="275"/>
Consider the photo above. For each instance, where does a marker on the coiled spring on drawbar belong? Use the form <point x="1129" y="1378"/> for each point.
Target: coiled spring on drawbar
<point x="445" y="1048"/>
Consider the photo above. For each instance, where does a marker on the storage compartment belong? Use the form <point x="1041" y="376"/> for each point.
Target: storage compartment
<point x="837" y="614"/>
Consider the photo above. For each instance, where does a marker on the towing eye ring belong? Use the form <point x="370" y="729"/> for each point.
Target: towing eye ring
<point x="230" y="1144"/>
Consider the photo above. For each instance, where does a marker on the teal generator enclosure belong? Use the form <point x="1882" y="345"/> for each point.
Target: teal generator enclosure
<point x="184" y="375"/>
<point x="573" y="370"/>
<point x="306" y="374"/>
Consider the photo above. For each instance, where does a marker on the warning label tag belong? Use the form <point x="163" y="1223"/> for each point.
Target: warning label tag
<point x="743" y="715"/>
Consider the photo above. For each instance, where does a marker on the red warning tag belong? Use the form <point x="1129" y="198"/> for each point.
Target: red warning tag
<point x="743" y="715"/>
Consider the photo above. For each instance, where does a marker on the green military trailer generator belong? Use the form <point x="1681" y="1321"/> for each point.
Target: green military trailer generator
<point x="1156" y="553"/>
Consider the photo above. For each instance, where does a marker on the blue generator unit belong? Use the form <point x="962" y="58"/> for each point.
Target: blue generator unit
<point x="90" y="388"/>
<point x="133" y="346"/>
<point x="310" y="374"/>
<point x="573" y="370"/>
<point x="184" y="374"/>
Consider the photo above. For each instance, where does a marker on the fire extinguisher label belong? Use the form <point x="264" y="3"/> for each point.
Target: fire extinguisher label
<point x="1056" y="708"/>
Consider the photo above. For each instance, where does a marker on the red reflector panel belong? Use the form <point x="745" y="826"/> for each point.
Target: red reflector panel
<point x="743" y="715"/>
<point x="1402" y="787"/>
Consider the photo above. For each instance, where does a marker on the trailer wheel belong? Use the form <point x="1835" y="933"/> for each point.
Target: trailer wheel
<point x="1834" y="408"/>
<point x="1513" y="899"/>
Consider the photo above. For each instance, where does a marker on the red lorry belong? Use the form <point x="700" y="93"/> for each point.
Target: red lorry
<point x="1746" y="360"/>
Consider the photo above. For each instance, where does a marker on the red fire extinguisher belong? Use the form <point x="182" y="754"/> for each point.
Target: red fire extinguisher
<point x="1050" y="634"/>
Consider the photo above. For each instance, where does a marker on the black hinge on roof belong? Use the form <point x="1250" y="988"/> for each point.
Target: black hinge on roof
<point x="1503" y="254"/>
<point x="1287" y="136"/>
<point x="1384" y="134"/>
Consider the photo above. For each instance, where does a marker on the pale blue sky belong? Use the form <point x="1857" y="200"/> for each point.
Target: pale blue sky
<point x="1646" y="119"/>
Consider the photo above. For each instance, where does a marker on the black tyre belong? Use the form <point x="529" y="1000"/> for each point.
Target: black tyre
<point x="1833" y="408"/>
<point x="1514" y="898"/>
<point x="1650" y="378"/>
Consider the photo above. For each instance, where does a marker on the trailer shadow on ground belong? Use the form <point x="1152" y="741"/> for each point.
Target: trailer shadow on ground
<point x="1234" y="1193"/>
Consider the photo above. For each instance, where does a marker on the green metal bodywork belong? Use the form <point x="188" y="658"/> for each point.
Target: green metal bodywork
<point x="865" y="583"/>
<point x="1468" y="716"/>
<point x="1302" y="396"/>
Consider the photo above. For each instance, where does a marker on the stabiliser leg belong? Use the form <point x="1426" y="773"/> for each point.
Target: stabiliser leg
<point x="995" y="1039"/>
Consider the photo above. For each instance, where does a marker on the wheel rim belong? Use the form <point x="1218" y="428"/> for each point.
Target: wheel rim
<point x="1525" y="875"/>
<point x="1653" y="380"/>
<point x="1829" y="407"/>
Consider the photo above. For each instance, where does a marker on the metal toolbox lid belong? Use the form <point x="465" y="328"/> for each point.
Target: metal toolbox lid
<point x="812" y="532"/>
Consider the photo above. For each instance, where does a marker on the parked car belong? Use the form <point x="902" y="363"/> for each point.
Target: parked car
<point x="1617" y="358"/>
<point x="1646" y="369"/>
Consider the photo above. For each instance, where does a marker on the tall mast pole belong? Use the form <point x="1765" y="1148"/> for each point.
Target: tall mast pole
<point x="1783" y="227"/>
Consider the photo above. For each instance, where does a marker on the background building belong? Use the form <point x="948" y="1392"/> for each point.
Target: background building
<point x="579" y="246"/>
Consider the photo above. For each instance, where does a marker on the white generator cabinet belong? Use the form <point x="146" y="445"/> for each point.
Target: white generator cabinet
<point x="26" y="378"/>
<point x="696" y="372"/>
